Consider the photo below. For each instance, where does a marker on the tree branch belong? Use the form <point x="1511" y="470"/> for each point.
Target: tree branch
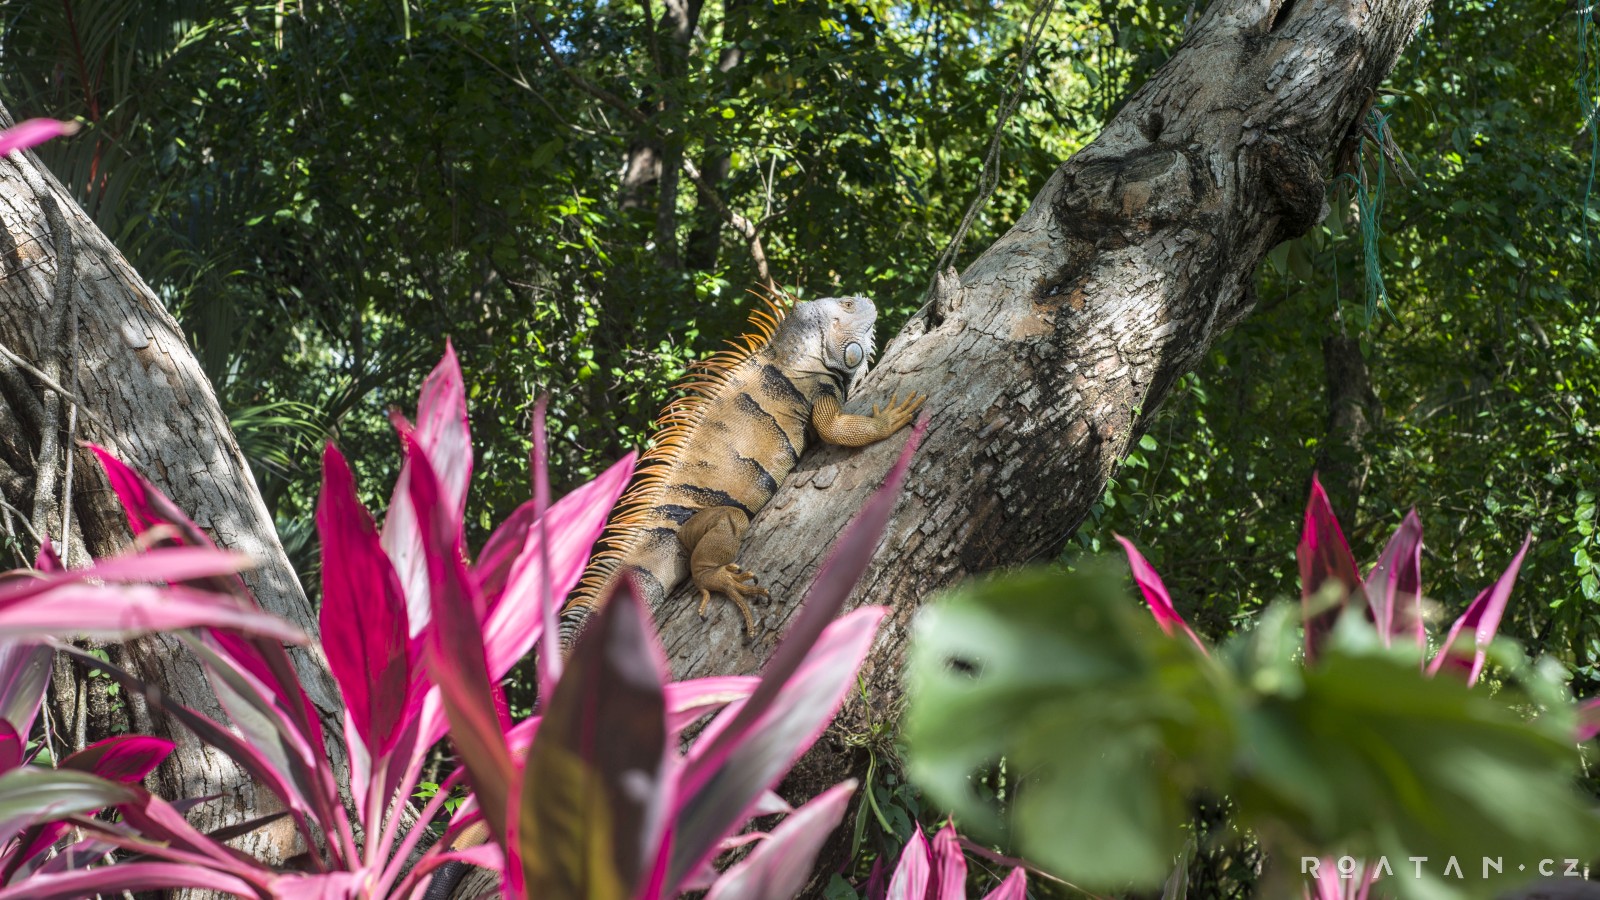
<point x="56" y="355"/>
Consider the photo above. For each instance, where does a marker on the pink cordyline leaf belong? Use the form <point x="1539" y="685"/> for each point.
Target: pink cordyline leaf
<point x="265" y="659"/>
<point x="47" y="560"/>
<point x="32" y="796"/>
<point x="124" y="759"/>
<point x="486" y="855"/>
<point x="114" y="611"/>
<point x="24" y="675"/>
<point x="441" y="431"/>
<point x="784" y="730"/>
<point x="603" y="741"/>
<point x="877" y="880"/>
<point x="513" y="871"/>
<point x="689" y="700"/>
<point x="127" y="876"/>
<point x="550" y="662"/>
<point x="170" y="564"/>
<point x="1589" y="719"/>
<point x="912" y="875"/>
<point x="249" y="757"/>
<point x="1155" y="593"/>
<point x="846" y="562"/>
<point x="492" y="566"/>
<point x="1015" y="887"/>
<point x="454" y="646"/>
<point x="1483" y="619"/>
<point x="573" y="524"/>
<point x="1324" y="556"/>
<point x="264" y="719"/>
<point x="33" y="132"/>
<point x="146" y="507"/>
<point x="363" y="618"/>
<point x="321" y="886"/>
<point x="949" y="866"/>
<point x="778" y="868"/>
<point x="13" y="749"/>
<point x="1394" y="585"/>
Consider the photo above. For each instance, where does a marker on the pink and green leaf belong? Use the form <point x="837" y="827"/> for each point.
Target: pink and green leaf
<point x="1325" y="558"/>
<point x="364" y="629"/>
<point x="1014" y="887"/>
<point x="24" y="675"/>
<point x="573" y="523"/>
<point x="788" y="726"/>
<point x="13" y="749"/>
<point x="114" y="611"/>
<point x="442" y="435"/>
<point x="30" y="796"/>
<point x="1394" y="585"/>
<point x="1482" y="621"/>
<point x="454" y="647"/>
<point x="126" y="876"/>
<point x="124" y="759"/>
<point x="687" y="701"/>
<point x="1155" y="593"/>
<point x="778" y="868"/>
<point x="949" y="866"/>
<point x="914" y="872"/>
<point x="594" y="789"/>
<point x="33" y="132"/>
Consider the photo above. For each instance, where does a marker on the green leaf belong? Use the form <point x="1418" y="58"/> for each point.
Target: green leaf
<point x="1066" y="677"/>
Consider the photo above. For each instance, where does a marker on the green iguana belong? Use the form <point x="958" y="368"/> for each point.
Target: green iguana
<point x="724" y="448"/>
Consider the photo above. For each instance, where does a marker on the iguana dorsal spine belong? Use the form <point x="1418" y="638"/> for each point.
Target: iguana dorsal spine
<point x="745" y="416"/>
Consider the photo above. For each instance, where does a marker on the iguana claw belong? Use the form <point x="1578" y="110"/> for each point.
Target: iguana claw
<point x="737" y="585"/>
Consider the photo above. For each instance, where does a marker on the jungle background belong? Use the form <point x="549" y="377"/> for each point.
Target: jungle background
<point x="322" y="192"/>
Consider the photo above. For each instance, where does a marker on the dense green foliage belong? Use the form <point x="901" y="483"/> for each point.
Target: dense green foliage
<point x="1483" y="355"/>
<point x="323" y="192"/>
<point x="1121" y="727"/>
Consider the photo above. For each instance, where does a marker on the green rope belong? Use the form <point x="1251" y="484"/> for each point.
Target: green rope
<point x="1369" y="195"/>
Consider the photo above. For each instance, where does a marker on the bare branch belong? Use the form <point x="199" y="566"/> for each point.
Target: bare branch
<point x="57" y="347"/>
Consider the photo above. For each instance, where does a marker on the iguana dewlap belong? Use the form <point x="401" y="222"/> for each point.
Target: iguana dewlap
<point x="725" y="447"/>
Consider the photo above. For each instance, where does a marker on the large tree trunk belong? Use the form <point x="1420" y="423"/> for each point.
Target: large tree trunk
<point x="146" y="399"/>
<point x="1049" y="354"/>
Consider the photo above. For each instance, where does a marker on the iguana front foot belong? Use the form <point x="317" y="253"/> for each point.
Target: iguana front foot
<point x="843" y="429"/>
<point x="712" y="538"/>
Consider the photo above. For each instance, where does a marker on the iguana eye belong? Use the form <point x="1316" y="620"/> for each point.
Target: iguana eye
<point x="853" y="354"/>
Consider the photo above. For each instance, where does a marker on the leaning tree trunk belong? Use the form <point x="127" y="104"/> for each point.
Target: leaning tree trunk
<point x="95" y="329"/>
<point x="1048" y="355"/>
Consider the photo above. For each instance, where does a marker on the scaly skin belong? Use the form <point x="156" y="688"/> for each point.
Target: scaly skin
<point x="727" y="447"/>
<point x="719" y="458"/>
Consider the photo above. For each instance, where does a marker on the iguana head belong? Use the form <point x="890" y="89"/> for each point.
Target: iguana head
<point x="833" y="331"/>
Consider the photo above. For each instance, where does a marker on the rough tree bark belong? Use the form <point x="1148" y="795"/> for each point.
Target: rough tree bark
<point x="146" y="399"/>
<point x="1343" y="461"/>
<point x="1048" y="355"/>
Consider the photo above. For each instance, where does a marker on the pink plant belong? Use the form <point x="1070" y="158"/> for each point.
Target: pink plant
<point x="33" y="132"/>
<point x="1392" y="591"/>
<point x="937" y="870"/>
<point x="417" y="639"/>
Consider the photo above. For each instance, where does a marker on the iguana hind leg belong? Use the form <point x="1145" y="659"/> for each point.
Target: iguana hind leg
<point x="712" y="537"/>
